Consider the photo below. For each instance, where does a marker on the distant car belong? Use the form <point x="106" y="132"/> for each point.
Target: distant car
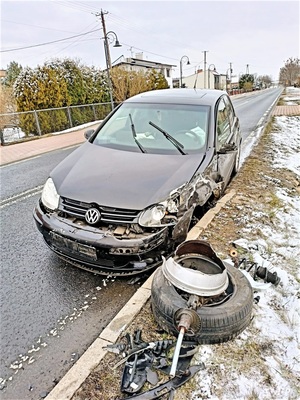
<point x="130" y="193"/>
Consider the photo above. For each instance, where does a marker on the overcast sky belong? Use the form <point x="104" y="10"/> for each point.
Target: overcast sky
<point x="255" y="36"/>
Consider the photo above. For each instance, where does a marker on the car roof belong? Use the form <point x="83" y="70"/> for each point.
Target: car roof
<point x="179" y="96"/>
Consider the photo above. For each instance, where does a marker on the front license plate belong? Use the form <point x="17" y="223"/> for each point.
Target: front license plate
<point x="62" y="243"/>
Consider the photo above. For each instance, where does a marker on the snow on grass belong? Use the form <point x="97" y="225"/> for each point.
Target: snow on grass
<point x="292" y="96"/>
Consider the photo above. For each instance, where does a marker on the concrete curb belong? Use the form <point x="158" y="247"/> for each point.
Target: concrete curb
<point x="74" y="378"/>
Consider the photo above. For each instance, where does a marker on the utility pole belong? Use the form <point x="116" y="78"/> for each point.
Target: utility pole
<point x="106" y="47"/>
<point x="205" y="51"/>
<point x="107" y="57"/>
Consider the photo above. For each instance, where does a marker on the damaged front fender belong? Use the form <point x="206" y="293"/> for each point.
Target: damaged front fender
<point x="194" y="194"/>
<point x="181" y="228"/>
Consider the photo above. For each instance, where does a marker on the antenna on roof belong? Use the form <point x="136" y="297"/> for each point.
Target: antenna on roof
<point x="195" y="84"/>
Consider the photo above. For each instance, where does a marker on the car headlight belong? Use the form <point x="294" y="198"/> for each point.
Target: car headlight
<point x="159" y="215"/>
<point x="50" y="197"/>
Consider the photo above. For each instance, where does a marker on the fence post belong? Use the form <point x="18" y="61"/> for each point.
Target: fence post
<point x="94" y="111"/>
<point x="70" y="118"/>
<point x="37" y="122"/>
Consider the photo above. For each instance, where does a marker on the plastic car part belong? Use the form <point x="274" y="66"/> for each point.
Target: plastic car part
<point x="255" y="285"/>
<point x="168" y="386"/>
<point x="143" y="359"/>
<point x="135" y="372"/>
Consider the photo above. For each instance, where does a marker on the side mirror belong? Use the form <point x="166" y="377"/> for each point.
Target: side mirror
<point x="88" y="133"/>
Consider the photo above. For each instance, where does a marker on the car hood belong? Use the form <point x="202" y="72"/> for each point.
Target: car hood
<point x="122" y="179"/>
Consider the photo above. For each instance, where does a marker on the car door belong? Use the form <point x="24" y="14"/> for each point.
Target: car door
<point x="225" y="137"/>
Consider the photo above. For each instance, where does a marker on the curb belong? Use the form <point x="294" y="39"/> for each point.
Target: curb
<point x="71" y="382"/>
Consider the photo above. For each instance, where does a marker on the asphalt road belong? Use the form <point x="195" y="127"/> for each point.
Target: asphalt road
<point x="253" y="109"/>
<point x="51" y="312"/>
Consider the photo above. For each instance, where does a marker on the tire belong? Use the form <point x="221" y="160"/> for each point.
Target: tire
<point x="219" y="323"/>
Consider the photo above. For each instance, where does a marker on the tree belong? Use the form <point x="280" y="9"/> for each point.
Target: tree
<point x="290" y="72"/>
<point x="246" y="82"/>
<point x="59" y="83"/>
<point x="157" y="80"/>
<point x="129" y="83"/>
<point x="37" y="89"/>
<point x="139" y="82"/>
<point x="264" y="81"/>
<point x="95" y="85"/>
<point x="12" y="72"/>
<point x="7" y="105"/>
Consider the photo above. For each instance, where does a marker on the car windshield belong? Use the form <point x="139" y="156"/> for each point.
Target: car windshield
<point x="156" y="128"/>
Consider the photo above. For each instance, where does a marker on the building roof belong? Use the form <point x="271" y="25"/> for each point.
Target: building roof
<point x="143" y="63"/>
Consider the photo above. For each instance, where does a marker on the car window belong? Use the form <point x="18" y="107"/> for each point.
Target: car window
<point x="223" y="124"/>
<point x="188" y="124"/>
<point x="230" y="111"/>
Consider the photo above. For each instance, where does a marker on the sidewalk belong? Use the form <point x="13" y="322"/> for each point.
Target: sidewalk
<point x="21" y="151"/>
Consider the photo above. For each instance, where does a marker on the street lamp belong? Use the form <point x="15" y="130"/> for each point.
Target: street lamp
<point x="181" y="61"/>
<point x="209" y="71"/>
<point x="109" y="38"/>
<point x="228" y="79"/>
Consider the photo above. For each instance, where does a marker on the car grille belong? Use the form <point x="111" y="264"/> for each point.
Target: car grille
<point x="77" y="209"/>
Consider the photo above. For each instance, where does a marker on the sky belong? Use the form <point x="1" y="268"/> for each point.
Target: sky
<point x="255" y="37"/>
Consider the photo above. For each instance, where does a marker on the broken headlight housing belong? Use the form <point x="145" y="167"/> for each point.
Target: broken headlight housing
<point x="162" y="214"/>
<point x="50" y="197"/>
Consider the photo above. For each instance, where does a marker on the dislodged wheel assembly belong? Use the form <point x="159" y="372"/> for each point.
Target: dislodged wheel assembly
<point x="196" y="279"/>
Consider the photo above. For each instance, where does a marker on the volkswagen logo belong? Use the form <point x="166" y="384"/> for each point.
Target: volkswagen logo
<point x="92" y="216"/>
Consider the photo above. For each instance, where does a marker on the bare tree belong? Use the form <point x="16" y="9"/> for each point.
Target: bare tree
<point x="129" y="83"/>
<point x="290" y="74"/>
<point x="264" y="81"/>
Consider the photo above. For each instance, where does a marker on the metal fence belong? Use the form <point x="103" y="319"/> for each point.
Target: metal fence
<point x="18" y="126"/>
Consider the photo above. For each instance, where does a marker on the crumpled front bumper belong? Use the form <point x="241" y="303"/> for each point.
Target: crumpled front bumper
<point x="90" y="248"/>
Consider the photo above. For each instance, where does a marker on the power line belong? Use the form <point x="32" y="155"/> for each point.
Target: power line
<point x="77" y="6"/>
<point x="34" y="26"/>
<point x="46" y="43"/>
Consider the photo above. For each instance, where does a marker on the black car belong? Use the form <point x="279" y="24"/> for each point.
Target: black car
<point x="130" y="193"/>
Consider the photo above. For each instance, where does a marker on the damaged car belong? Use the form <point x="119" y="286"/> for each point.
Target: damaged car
<point x="131" y="192"/>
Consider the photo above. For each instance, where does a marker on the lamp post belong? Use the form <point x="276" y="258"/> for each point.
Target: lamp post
<point x="181" y="61"/>
<point x="109" y="37"/>
<point x="228" y="79"/>
<point x="209" y="71"/>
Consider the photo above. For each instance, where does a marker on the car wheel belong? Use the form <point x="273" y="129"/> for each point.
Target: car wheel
<point x="219" y="323"/>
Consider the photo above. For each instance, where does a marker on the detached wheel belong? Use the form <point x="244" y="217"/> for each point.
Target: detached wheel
<point x="221" y="321"/>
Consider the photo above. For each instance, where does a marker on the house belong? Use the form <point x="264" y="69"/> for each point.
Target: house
<point x="139" y="64"/>
<point x="210" y="79"/>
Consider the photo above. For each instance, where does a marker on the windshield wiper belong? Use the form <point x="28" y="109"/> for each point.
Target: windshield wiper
<point x="135" y="136"/>
<point x="179" y="146"/>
